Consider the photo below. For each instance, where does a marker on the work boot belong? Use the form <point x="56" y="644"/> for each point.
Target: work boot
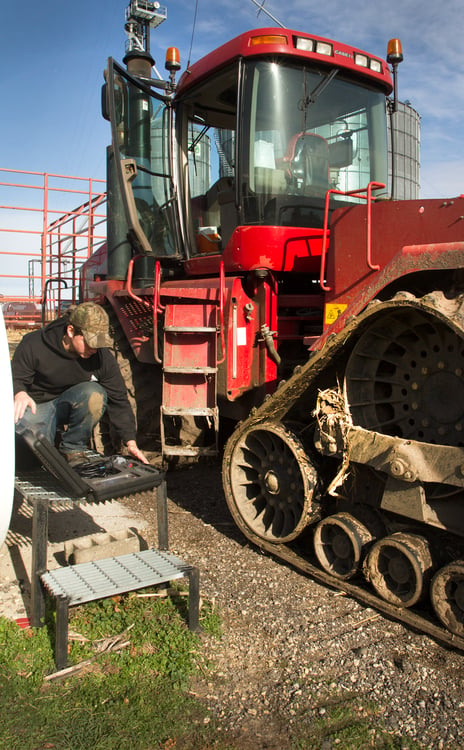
<point x="76" y="457"/>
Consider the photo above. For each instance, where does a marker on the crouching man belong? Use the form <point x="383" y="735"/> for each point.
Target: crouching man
<point x="64" y="376"/>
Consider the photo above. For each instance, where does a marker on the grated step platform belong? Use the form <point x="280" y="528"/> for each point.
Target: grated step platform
<point x="93" y="580"/>
<point x="90" y="581"/>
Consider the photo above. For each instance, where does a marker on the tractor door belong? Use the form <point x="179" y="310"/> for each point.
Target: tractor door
<point x="141" y="180"/>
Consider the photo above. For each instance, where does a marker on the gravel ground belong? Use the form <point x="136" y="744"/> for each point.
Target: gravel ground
<point x="292" y="649"/>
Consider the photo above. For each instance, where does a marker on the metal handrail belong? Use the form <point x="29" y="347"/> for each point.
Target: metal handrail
<point x="222" y="287"/>
<point x="364" y="194"/>
<point x="157" y="308"/>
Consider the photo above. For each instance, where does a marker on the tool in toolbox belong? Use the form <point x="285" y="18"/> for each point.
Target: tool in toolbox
<point x="96" y="479"/>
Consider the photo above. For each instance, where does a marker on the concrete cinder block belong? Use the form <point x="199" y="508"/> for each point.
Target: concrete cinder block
<point x="100" y="546"/>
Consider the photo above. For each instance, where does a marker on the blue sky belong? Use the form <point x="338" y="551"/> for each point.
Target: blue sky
<point x="54" y="54"/>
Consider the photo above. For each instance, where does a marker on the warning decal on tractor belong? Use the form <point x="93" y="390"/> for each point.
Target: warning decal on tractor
<point x="332" y="312"/>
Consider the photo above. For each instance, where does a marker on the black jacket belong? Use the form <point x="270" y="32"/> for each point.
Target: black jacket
<point x="43" y="369"/>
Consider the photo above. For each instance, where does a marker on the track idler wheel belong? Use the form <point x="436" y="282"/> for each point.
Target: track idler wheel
<point x="269" y="482"/>
<point x="399" y="567"/>
<point x="447" y="595"/>
<point x="340" y="542"/>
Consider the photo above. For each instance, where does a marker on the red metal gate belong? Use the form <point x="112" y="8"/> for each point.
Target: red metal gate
<point x="49" y="225"/>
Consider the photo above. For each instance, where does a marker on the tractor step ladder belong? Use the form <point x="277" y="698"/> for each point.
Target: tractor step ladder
<point x="189" y="412"/>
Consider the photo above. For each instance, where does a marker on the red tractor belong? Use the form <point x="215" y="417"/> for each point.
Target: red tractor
<point x="258" y="273"/>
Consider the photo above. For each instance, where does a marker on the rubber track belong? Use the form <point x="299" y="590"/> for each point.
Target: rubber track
<point x="409" y="617"/>
<point x="276" y="407"/>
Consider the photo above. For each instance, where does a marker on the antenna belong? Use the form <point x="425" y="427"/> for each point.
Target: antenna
<point x="262" y="8"/>
<point x="141" y="16"/>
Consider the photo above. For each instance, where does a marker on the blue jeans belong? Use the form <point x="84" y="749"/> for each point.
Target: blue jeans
<point x="79" y="408"/>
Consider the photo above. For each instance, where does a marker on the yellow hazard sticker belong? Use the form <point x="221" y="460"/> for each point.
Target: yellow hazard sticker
<point x="332" y="311"/>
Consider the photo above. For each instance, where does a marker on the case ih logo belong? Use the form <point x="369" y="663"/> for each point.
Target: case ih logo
<point x="342" y="52"/>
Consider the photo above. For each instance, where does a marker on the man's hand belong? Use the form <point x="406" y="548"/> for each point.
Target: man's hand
<point x="21" y="401"/>
<point x="135" y="451"/>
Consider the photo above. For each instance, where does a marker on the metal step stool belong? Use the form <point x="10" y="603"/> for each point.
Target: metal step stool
<point x="43" y="492"/>
<point x="87" y="582"/>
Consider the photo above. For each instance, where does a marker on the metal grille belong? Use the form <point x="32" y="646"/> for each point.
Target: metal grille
<point x="39" y="484"/>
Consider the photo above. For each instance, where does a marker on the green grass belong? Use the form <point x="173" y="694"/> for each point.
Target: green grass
<point x="135" y="698"/>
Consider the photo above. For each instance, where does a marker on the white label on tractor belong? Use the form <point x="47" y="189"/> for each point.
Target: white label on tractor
<point x="241" y="336"/>
<point x="145" y="105"/>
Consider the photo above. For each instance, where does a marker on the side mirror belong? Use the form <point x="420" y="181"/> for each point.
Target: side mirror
<point x="104" y="102"/>
<point x="119" y="97"/>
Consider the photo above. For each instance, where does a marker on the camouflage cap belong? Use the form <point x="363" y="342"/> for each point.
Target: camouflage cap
<point x="92" y="320"/>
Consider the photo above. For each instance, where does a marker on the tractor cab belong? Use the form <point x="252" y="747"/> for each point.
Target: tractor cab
<point x="244" y="159"/>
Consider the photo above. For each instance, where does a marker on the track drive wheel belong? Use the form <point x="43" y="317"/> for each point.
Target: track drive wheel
<point x="269" y="482"/>
<point x="447" y="594"/>
<point x="340" y="542"/>
<point x="399" y="567"/>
